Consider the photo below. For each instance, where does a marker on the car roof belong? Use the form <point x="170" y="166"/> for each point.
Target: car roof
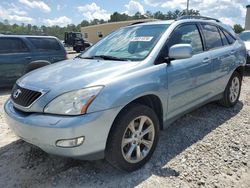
<point x="187" y="20"/>
<point x="26" y="36"/>
<point x="158" y="22"/>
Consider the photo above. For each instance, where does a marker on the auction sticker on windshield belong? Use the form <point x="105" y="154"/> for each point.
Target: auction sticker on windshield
<point x="142" y="39"/>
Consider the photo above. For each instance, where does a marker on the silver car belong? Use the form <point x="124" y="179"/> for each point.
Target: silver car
<point x="112" y="100"/>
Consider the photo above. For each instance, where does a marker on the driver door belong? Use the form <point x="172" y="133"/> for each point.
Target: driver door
<point x="188" y="79"/>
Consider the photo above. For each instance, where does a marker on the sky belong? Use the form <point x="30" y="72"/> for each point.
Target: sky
<point x="63" y="12"/>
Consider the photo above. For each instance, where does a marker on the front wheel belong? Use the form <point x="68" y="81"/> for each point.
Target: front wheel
<point x="232" y="92"/>
<point x="133" y="138"/>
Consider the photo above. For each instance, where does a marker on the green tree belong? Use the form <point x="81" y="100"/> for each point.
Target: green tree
<point x="149" y="14"/>
<point x="238" y="28"/>
<point x="84" y="23"/>
<point x="159" y="15"/>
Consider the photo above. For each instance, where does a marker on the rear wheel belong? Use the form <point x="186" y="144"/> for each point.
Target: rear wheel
<point x="133" y="138"/>
<point x="232" y="92"/>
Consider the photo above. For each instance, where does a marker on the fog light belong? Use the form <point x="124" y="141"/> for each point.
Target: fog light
<point x="69" y="143"/>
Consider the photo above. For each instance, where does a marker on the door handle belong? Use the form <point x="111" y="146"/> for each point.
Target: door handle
<point x="206" y="60"/>
<point x="28" y="58"/>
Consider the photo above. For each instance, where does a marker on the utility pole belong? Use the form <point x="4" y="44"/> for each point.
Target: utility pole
<point x="187" y="6"/>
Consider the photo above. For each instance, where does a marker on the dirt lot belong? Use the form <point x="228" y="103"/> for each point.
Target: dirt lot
<point x="209" y="147"/>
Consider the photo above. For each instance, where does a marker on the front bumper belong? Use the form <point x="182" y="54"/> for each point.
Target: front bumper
<point x="43" y="130"/>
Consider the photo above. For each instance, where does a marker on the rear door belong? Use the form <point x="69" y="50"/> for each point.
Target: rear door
<point x="14" y="56"/>
<point x="222" y="53"/>
<point x="188" y="79"/>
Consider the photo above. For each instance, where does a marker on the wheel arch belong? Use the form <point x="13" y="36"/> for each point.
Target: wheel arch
<point x="240" y="70"/>
<point x="36" y="64"/>
<point x="150" y="100"/>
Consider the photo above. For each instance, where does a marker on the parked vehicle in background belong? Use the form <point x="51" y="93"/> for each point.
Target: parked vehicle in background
<point x="21" y="54"/>
<point x="75" y="40"/>
<point x="245" y="36"/>
<point x="113" y="100"/>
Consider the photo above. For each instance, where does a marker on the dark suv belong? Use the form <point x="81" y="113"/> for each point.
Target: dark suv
<point x="22" y="54"/>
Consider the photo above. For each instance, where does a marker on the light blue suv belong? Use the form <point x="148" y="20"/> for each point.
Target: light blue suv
<point x="112" y="100"/>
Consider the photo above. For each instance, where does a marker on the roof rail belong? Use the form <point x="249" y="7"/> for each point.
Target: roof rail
<point x="197" y="17"/>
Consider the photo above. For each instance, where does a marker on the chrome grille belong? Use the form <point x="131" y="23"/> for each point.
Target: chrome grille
<point x="24" y="97"/>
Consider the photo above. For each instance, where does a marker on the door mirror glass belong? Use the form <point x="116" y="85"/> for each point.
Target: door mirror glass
<point x="180" y="51"/>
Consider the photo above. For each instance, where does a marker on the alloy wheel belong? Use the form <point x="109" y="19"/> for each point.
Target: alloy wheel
<point x="138" y="139"/>
<point x="234" y="89"/>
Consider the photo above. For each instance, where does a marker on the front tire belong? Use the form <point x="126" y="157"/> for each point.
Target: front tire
<point x="133" y="138"/>
<point x="232" y="92"/>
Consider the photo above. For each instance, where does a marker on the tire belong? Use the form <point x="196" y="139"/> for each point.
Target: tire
<point x="232" y="92"/>
<point x="78" y="49"/>
<point x="116" y="149"/>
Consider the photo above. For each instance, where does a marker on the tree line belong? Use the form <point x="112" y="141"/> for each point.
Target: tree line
<point x="28" y="29"/>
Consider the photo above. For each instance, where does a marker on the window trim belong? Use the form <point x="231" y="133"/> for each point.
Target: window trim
<point x="221" y="33"/>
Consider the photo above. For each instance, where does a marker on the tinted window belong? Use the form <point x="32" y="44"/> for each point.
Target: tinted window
<point x="187" y="34"/>
<point x="12" y="45"/>
<point x="224" y="39"/>
<point x="230" y="39"/>
<point x="212" y="36"/>
<point x="43" y="44"/>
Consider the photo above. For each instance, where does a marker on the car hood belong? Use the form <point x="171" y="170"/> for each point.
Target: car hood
<point x="74" y="74"/>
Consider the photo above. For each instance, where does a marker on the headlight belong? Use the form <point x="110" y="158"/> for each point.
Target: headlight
<point x="73" y="102"/>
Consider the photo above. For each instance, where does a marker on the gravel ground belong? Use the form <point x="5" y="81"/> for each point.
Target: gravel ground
<point x="209" y="147"/>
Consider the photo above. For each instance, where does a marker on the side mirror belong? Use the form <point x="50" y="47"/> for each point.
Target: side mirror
<point x="180" y="51"/>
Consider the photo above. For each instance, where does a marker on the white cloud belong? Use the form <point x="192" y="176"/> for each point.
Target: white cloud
<point x="16" y="10"/>
<point x="134" y="7"/>
<point x="61" y="21"/>
<point x="36" y="4"/>
<point x="229" y="11"/>
<point x="93" y="11"/>
<point x="13" y="15"/>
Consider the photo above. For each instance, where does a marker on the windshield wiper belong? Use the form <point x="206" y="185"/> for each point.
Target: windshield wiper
<point x="80" y="57"/>
<point x="107" y="57"/>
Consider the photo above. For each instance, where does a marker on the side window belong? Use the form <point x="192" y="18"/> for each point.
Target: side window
<point x="212" y="36"/>
<point x="12" y="45"/>
<point x="45" y="44"/>
<point x="230" y="39"/>
<point x="223" y="38"/>
<point x="187" y="34"/>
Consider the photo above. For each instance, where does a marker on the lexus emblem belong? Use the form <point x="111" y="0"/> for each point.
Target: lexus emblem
<point x="16" y="93"/>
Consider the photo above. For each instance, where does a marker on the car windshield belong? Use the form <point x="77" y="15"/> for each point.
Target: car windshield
<point x="130" y="43"/>
<point x="245" y="36"/>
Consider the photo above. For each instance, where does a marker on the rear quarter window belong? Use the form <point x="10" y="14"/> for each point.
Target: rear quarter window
<point x="224" y="38"/>
<point x="229" y="37"/>
<point x="45" y="44"/>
